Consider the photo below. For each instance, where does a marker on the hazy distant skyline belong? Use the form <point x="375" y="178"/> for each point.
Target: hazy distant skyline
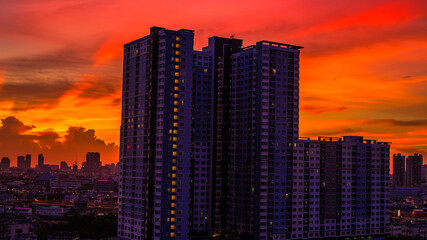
<point x="363" y="66"/>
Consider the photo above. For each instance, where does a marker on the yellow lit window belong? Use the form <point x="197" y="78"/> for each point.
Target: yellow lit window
<point x="172" y="233"/>
<point x="176" y="74"/>
<point x="176" y="81"/>
<point x="174" y="160"/>
<point x="177" y="38"/>
<point x="206" y="70"/>
<point x="173" y="168"/>
<point x="176" y="88"/>
<point x="174" y="138"/>
<point x="174" y="154"/>
<point x="176" y="59"/>
<point x="173" y="175"/>
<point x="273" y="70"/>
<point x="170" y="130"/>
<point x="172" y="204"/>
<point x="173" y="197"/>
<point x="173" y="190"/>
<point x="175" y="117"/>
<point x="172" y="219"/>
<point x="173" y="226"/>
<point x="173" y="182"/>
<point x="175" y="124"/>
<point x="175" y="102"/>
<point x="177" y="52"/>
<point x="174" y="145"/>
<point x="176" y="66"/>
<point x="176" y="95"/>
<point x="177" y="45"/>
<point x="175" y="109"/>
<point x="175" y="131"/>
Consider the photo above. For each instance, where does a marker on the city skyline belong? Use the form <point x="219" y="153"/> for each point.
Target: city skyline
<point x="59" y="49"/>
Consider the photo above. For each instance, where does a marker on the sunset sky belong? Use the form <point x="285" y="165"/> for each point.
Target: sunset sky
<point x="363" y="66"/>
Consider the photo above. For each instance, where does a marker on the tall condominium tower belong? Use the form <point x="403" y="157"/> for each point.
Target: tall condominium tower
<point x="264" y="123"/>
<point x="28" y="161"/>
<point x="413" y="170"/>
<point x="398" y="170"/>
<point x="21" y="162"/>
<point x="156" y="139"/>
<point x="40" y="160"/>
<point x="340" y="188"/>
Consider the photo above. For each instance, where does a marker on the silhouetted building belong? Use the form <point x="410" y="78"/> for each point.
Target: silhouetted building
<point x="21" y="165"/>
<point x="93" y="162"/>
<point x="75" y="167"/>
<point x="398" y="170"/>
<point x="64" y="166"/>
<point x="40" y="160"/>
<point x="28" y="161"/>
<point x="5" y="164"/>
<point x="413" y="170"/>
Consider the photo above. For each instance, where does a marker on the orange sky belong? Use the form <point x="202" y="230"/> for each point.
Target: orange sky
<point x="363" y="66"/>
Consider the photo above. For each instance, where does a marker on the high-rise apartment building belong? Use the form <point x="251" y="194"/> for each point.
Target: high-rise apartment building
<point x="5" y="164"/>
<point x="413" y="170"/>
<point x="264" y="123"/>
<point x="93" y="162"/>
<point x="21" y="162"/>
<point x="398" y="170"/>
<point x="40" y="159"/>
<point x="340" y="188"/>
<point x="208" y="141"/>
<point x="28" y="161"/>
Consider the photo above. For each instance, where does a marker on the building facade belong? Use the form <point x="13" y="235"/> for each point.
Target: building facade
<point x="340" y="188"/>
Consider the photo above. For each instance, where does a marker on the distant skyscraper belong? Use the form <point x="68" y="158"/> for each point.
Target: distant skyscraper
<point x="75" y="167"/>
<point x="28" y="161"/>
<point x="340" y="189"/>
<point x="5" y="164"/>
<point x="64" y="166"/>
<point x="398" y="170"/>
<point x="93" y="162"/>
<point x="21" y="162"/>
<point x="413" y="170"/>
<point x="40" y="160"/>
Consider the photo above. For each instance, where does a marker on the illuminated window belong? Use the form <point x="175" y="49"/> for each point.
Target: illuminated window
<point x="173" y="168"/>
<point x="177" y="52"/>
<point x="273" y="70"/>
<point x="175" y="124"/>
<point x="174" y="146"/>
<point x="177" y="38"/>
<point x="176" y="59"/>
<point x="173" y="182"/>
<point x="176" y="95"/>
<point x="174" y="160"/>
<point x="172" y="204"/>
<point x="174" y="138"/>
<point x="175" y="117"/>
<point x="175" y="131"/>
<point x="176" y="66"/>
<point x="173" y="190"/>
<point x="172" y="219"/>
<point x="176" y="81"/>
<point x="173" y="197"/>
<point x="174" y="154"/>
<point x="176" y="74"/>
<point x="175" y="109"/>
<point x="175" y="102"/>
<point x="176" y="88"/>
<point x="172" y="233"/>
<point x="173" y="226"/>
<point x="206" y="70"/>
<point x="177" y="45"/>
<point x="173" y="175"/>
<point x="170" y="130"/>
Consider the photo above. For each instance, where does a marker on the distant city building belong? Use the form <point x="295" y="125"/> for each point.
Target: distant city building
<point x="28" y="161"/>
<point x="21" y="162"/>
<point x="424" y="173"/>
<point x="5" y="164"/>
<point x="40" y="160"/>
<point x="413" y="170"/>
<point x="103" y="185"/>
<point x="64" y="166"/>
<point x="75" y="167"/>
<point x="93" y="162"/>
<point x="398" y="170"/>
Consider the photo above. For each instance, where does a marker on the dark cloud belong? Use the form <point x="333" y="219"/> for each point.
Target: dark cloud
<point x="16" y="139"/>
<point x="398" y="123"/>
